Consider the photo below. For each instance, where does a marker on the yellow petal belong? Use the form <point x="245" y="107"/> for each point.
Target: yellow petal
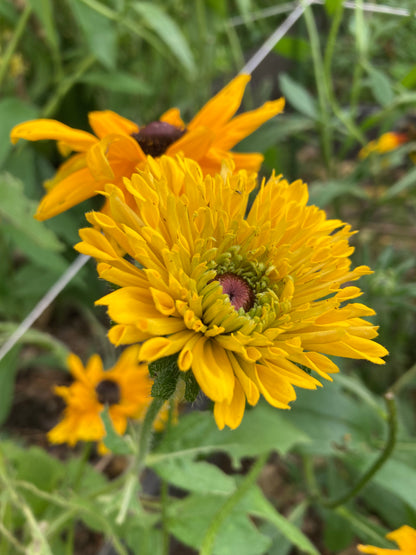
<point x="194" y="144"/>
<point x="98" y="164"/>
<point x="222" y="106"/>
<point x="106" y="122"/>
<point x="173" y="116"/>
<point x="38" y="129"/>
<point x="231" y="414"/>
<point x="212" y="370"/>
<point x="72" y="190"/>
<point x="243" y="125"/>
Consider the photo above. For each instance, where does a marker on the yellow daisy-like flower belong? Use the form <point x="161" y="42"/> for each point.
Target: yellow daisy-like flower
<point x="247" y="303"/>
<point x="405" y="537"/>
<point x="125" y="389"/>
<point x="120" y="146"/>
<point x="385" y="143"/>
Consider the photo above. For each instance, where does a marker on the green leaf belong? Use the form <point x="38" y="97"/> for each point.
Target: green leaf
<point x="298" y="96"/>
<point x="99" y="31"/>
<point x="330" y="417"/>
<point x="394" y="476"/>
<point x="8" y="369"/>
<point x="257" y="505"/>
<point x="116" y="443"/>
<point x="406" y="182"/>
<point x="409" y="80"/>
<point x="294" y="48"/>
<point x="44" y="11"/>
<point x="117" y="81"/>
<point x="12" y="112"/>
<point x="323" y="193"/>
<point x="263" y="429"/>
<point x="380" y="86"/>
<point x="17" y="210"/>
<point x="281" y="544"/>
<point x="190" y="518"/>
<point x="337" y="536"/>
<point x="365" y="528"/>
<point x="165" y="373"/>
<point x="168" y="31"/>
<point x="200" y="477"/>
<point x="191" y="387"/>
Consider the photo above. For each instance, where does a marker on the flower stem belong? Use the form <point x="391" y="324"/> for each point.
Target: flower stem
<point x="10" y="50"/>
<point x="146" y="432"/>
<point x="378" y="463"/>
<point x="66" y="85"/>
<point x="403" y="380"/>
<point x="322" y="88"/>
<point x="230" y="503"/>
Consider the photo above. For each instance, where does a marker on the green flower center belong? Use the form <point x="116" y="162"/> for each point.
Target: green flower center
<point x="157" y="136"/>
<point x="108" y="392"/>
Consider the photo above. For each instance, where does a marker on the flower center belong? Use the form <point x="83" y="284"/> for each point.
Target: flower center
<point x="108" y="392"/>
<point x="240" y="293"/>
<point x="157" y="136"/>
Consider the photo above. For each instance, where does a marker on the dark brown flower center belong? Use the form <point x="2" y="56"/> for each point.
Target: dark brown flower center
<point x="157" y="136"/>
<point x="108" y="392"/>
<point x="240" y="293"/>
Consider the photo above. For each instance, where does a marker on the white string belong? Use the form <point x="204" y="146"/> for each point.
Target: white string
<point x="275" y="37"/>
<point x="284" y="8"/>
<point x="43" y="304"/>
<point x="262" y="14"/>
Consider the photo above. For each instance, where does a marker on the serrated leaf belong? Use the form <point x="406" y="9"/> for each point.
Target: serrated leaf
<point x="12" y="112"/>
<point x="165" y="374"/>
<point x="100" y="32"/>
<point x="168" y="31"/>
<point x="199" y="477"/>
<point x="262" y="429"/>
<point x="298" y="96"/>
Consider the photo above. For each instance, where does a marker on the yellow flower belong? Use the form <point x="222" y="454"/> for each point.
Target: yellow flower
<point x="385" y="143"/>
<point x="247" y="303"/>
<point x="125" y="389"/>
<point x="405" y="537"/>
<point x="119" y="146"/>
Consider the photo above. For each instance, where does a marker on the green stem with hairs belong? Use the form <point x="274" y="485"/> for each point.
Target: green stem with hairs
<point x="11" y="48"/>
<point x="230" y="503"/>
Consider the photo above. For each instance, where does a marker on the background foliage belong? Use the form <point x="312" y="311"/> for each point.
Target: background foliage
<point x="347" y="76"/>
